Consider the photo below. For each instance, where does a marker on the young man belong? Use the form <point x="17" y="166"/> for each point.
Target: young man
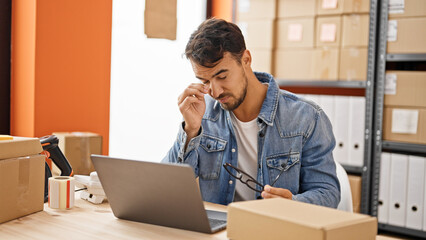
<point x="241" y="118"/>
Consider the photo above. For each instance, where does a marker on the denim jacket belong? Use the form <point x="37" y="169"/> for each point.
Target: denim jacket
<point x="293" y="131"/>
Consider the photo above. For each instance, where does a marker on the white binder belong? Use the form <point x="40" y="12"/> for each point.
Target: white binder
<point x="383" y="214"/>
<point x="341" y="129"/>
<point x="356" y="131"/>
<point x="415" y="192"/>
<point x="398" y="189"/>
<point x="314" y="98"/>
<point x="327" y="104"/>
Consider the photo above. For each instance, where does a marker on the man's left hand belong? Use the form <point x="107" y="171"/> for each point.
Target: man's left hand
<point x="272" y="192"/>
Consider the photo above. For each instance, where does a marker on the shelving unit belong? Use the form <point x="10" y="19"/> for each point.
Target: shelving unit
<point x="388" y="146"/>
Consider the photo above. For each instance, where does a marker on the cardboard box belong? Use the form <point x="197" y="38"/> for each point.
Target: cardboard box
<point x="280" y="218"/>
<point x="336" y="7"/>
<point x="256" y="9"/>
<point x="355" y="183"/>
<point x="293" y="64"/>
<point x="328" y="31"/>
<point x="295" y="33"/>
<point x="353" y="64"/>
<point x="160" y="20"/>
<point x="21" y="186"/>
<point x="296" y="8"/>
<point x="407" y="35"/>
<point x="258" y="34"/>
<point x="355" y="30"/>
<point x="405" y="88"/>
<point x="326" y="64"/>
<point x="403" y="124"/>
<point x="262" y="60"/>
<point x="77" y="148"/>
<point x="19" y="147"/>
<point x="407" y="8"/>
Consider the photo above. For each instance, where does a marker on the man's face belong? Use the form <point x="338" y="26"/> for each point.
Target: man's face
<point x="227" y="81"/>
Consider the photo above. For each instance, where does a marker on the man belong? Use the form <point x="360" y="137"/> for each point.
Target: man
<point x="241" y="118"/>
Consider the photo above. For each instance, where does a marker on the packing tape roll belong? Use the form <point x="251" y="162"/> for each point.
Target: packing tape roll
<point x="61" y="192"/>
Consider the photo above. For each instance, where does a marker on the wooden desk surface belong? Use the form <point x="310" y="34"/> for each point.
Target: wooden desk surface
<point x="90" y="221"/>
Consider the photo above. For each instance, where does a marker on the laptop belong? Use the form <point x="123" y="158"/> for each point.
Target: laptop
<point x="156" y="193"/>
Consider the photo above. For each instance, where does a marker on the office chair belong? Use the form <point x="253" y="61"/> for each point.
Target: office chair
<point x="345" y="189"/>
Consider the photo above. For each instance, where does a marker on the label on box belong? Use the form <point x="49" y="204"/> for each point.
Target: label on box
<point x="328" y="32"/>
<point x="396" y="6"/>
<point x="243" y="6"/>
<point x="295" y="32"/>
<point x="329" y="4"/>
<point x="390" y="84"/>
<point x="405" y="121"/>
<point x="392" y="30"/>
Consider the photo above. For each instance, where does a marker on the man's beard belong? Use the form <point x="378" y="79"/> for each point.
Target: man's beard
<point x="231" y="106"/>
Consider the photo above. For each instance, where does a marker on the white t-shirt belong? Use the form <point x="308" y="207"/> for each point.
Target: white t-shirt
<point x="246" y="135"/>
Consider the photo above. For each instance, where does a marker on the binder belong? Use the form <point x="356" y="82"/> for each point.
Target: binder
<point x="327" y="104"/>
<point x="415" y="192"/>
<point x="383" y="210"/>
<point x="356" y="131"/>
<point x="312" y="97"/>
<point x="341" y="129"/>
<point x="398" y="189"/>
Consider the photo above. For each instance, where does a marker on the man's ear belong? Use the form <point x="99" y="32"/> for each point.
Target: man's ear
<point x="246" y="58"/>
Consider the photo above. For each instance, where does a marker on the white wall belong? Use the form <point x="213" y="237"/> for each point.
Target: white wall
<point x="147" y="76"/>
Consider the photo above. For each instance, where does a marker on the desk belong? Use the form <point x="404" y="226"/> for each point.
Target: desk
<point x="89" y="221"/>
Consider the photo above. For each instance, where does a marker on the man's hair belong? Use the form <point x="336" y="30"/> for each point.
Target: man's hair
<point x="212" y="39"/>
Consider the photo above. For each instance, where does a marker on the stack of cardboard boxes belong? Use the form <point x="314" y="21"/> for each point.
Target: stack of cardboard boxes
<point x="313" y="39"/>
<point x="405" y="101"/>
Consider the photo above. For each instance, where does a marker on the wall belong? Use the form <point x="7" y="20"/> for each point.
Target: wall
<point x="147" y="76"/>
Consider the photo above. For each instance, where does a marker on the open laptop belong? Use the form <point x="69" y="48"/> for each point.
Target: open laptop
<point x="156" y="193"/>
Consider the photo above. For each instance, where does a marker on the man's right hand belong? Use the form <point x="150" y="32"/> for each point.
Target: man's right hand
<point x="192" y="106"/>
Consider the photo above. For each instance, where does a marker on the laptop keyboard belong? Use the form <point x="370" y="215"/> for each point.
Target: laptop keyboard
<point x="217" y="223"/>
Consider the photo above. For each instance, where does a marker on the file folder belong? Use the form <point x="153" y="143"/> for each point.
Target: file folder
<point x="341" y="129"/>
<point x="415" y="192"/>
<point x="398" y="189"/>
<point x="383" y="210"/>
<point x="327" y="104"/>
<point x="356" y="131"/>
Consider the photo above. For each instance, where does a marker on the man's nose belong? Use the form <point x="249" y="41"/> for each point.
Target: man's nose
<point x="215" y="90"/>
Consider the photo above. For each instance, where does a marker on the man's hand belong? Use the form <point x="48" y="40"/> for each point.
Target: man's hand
<point x="192" y="106"/>
<point x="272" y="192"/>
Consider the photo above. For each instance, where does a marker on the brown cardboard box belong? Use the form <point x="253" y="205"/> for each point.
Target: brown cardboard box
<point x="262" y="60"/>
<point x="256" y="9"/>
<point x="160" y="19"/>
<point x="295" y="33"/>
<point x="403" y="124"/>
<point x="328" y="31"/>
<point x="355" y="30"/>
<point x="280" y="218"/>
<point x="407" y="35"/>
<point x="409" y="8"/>
<point x="326" y="64"/>
<point x="293" y="64"/>
<point x="355" y="182"/>
<point x="353" y="64"/>
<point x="21" y="186"/>
<point x="335" y="7"/>
<point x="405" y="88"/>
<point x="19" y="147"/>
<point x="296" y="8"/>
<point x="258" y="34"/>
<point x="77" y="148"/>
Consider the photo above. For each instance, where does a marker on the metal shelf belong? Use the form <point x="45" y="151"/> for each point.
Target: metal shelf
<point x="407" y="148"/>
<point x="402" y="230"/>
<point x="406" y="57"/>
<point x="325" y="84"/>
<point x="352" y="169"/>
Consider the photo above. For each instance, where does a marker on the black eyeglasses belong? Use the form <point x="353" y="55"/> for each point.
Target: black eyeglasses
<point x="248" y="180"/>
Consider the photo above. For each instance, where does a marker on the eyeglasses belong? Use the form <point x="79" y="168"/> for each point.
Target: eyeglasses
<point x="248" y="180"/>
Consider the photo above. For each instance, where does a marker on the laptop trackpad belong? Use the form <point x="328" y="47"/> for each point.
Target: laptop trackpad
<point x="217" y="220"/>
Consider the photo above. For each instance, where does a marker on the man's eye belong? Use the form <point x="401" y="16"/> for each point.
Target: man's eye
<point x="221" y="77"/>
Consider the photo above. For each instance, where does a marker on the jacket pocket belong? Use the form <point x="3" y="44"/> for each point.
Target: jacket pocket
<point x="287" y="163"/>
<point x="210" y="157"/>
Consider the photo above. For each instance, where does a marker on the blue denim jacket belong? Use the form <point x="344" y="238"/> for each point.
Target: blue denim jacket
<point x="293" y="131"/>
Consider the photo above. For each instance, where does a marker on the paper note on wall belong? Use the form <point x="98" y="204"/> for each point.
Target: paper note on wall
<point x="392" y="30"/>
<point x="295" y="32"/>
<point x="160" y="19"/>
<point x="390" y="84"/>
<point x="405" y="121"/>
<point x="328" y="32"/>
<point x="329" y="4"/>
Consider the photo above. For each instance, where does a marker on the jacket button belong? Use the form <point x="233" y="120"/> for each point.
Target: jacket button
<point x="233" y="150"/>
<point x="230" y="182"/>
<point x="261" y="134"/>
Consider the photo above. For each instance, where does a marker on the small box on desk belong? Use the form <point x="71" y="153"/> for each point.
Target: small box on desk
<point x="287" y="219"/>
<point x="21" y="186"/>
<point x="77" y="148"/>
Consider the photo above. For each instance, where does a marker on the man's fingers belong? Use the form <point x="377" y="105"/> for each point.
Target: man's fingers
<point x="186" y="103"/>
<point x="271" y="192"/>
<point x="194" y="92"/>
